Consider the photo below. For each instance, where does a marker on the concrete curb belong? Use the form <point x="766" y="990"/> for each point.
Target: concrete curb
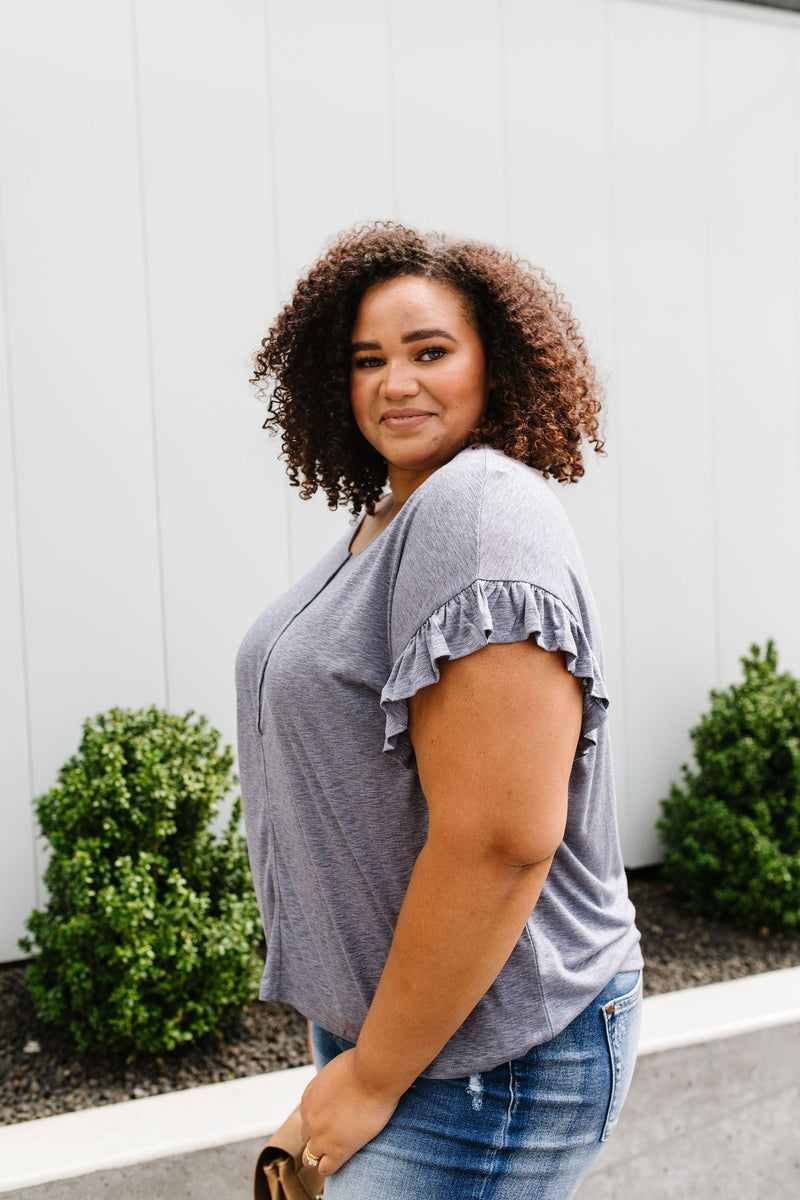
<point x="118" y="1135"/>
<point x="720" y="1010"/>
<point x="135" y="1131"/>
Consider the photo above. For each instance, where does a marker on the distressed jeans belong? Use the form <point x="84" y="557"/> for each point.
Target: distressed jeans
<point x="528" y="1128"/>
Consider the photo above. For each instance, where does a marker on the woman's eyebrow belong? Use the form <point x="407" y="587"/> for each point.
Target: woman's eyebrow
<point x="419" y="335"/>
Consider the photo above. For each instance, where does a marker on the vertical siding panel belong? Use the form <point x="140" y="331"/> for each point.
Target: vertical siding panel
<point x="79" y="369"/>
<point x="449" y="116"/>
<point x="560" y="218"/>
<point x="556" y="106"/>
<point x="330" y="94"/>
<point x="333" y="162"/>
<point x="661" y="387"/>
<point x="18" y="868"/>
<point x="754" y="322"/>
<point x="206" y="187"/>
<point x="795" y="117"/>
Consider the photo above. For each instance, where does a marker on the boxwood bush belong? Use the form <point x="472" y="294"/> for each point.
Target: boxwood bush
<point x="149" y="935"/>
<point x="732" y="831"/>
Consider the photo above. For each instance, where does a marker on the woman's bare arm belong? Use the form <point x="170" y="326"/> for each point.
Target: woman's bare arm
<point x="494" y="740"/>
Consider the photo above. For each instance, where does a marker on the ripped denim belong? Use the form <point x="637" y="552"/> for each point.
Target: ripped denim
<point x="528" y="1128"/>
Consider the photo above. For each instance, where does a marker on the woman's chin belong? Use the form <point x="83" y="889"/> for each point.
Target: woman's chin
<point x="419" y="459"/>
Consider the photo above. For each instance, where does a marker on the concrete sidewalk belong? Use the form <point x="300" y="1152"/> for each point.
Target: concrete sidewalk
<point x="708" y="1122"/>
<point x="710" y="1118"/>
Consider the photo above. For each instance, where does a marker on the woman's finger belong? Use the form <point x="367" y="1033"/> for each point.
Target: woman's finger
<point x="310" y="1158"/>
<point x="305" y="1128"/>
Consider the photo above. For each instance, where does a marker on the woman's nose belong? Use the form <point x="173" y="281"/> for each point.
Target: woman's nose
<point x="399" y="382"/>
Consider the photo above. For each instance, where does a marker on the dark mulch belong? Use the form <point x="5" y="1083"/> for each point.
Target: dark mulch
<point x="683" y="951"/>
<point x="41" y="1075"/>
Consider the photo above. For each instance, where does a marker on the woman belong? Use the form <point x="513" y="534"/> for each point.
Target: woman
<point x="422" y="730"/>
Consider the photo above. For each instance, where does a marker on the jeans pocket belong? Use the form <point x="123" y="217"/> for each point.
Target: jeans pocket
<point x="622" y="1017"/>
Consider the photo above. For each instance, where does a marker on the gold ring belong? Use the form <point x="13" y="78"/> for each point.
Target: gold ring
<point x="313" y="1159"/>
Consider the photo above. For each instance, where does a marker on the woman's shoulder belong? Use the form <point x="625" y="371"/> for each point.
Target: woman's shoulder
<point x="482" y="499"/>
<point x="481" y="472"/>
<point x="478" y="479"/>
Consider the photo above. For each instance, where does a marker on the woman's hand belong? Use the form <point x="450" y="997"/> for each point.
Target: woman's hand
<point x="338" y="1115"/>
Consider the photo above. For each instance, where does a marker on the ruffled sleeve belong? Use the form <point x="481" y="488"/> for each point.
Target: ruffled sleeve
<point x="491" y="611"/>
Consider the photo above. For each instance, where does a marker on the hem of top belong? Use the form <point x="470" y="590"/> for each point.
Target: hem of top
<point x="632" y="960"/>
<point x="270" y="993"/>
<point x="521" y="1048"/>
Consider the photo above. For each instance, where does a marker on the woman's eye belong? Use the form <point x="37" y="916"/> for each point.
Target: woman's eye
<point x="368" y="361"/>
<point x="431" y="353"/>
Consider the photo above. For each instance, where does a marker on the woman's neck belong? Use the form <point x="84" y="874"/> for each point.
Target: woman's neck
<point x="403" y="484"/>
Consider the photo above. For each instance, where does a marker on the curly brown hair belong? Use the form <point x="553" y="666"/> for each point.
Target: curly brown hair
<point x="544" y="397"/>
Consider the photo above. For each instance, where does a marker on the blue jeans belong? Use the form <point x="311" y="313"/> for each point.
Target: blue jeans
<point x="528" y="1128"/>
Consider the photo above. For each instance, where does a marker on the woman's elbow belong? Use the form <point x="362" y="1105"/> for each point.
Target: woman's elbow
<point x="503" y="843"/>
<point x="519" y="853"/>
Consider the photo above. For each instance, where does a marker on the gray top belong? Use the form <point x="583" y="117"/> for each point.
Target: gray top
<point x="335" y="816"/>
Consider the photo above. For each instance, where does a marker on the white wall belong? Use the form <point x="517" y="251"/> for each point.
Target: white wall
<point x="168" y="166"/>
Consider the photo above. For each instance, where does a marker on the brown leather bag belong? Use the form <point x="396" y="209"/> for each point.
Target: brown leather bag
<point x="280" y="1172"/>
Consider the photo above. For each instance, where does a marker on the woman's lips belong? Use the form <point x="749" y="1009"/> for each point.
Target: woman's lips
<point x="405" y="420"/>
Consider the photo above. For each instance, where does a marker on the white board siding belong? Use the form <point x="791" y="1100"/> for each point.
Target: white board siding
<point x="661" y="391"/>
<point x="211" y="284"/>
<point x="754" y="205"/>
<point x="448" y="116"/>
<point x="78" y="369"/>
<point x="167" y="168"/>
<point x="19" y="871"/>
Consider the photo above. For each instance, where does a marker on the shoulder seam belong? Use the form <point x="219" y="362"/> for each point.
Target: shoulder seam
<point x="480" y="516"/>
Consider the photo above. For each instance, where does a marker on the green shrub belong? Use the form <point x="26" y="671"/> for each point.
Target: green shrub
<point x="732" y="832"/>
<point x="149" y="934"/>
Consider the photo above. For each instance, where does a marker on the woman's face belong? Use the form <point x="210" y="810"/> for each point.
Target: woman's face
<point x="418" y="381"/>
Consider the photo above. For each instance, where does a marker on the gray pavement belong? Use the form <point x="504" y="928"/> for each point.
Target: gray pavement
<point x="716" y="1121"/>
<point x="707" y="1122"/>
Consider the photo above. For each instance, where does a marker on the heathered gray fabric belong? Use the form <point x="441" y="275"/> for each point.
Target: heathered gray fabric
<point x="334" y="812"/>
